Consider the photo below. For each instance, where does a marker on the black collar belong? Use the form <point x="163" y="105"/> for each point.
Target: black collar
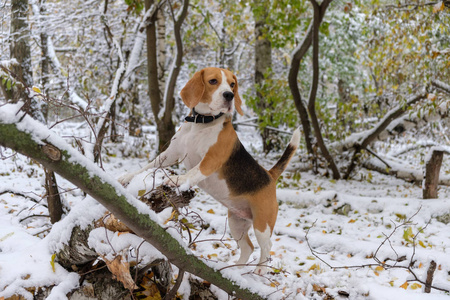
<point x="198" y="118"/>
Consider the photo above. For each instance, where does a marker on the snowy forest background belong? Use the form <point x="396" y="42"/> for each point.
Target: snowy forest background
<point x="364" y="207"/>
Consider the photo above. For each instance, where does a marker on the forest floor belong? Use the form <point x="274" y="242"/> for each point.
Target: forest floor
<point x="325" y="243"/>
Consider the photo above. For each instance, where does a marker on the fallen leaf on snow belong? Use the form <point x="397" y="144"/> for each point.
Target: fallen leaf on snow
<point x="120" y="268"/>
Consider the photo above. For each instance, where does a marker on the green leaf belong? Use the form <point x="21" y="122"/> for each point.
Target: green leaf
<point x="407" y="234"/>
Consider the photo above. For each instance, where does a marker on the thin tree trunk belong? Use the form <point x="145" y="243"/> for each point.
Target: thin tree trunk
<point x="263" y="63"/>
<point x="297" y="56"/>
<point x="45" y="66"/>
<point x="169" y="98"/>
<point x="53" y="198"/>
<point x="164" y="131"/>
<point x="313" y="92"/>
<point x="161" y="47"/>
<point x="20" y="47"/>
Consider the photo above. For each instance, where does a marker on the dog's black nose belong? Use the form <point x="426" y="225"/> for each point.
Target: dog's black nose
<point x="228" y="96"/>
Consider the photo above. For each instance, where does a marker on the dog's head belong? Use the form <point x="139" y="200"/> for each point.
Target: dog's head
<point x="212" y="91"/>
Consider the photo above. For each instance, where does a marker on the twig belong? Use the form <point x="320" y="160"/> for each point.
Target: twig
<point x="385" y="265"/>
<point x="376" y="155"/>
<point x="32" y="216"/>
<point x="171" y="294"/>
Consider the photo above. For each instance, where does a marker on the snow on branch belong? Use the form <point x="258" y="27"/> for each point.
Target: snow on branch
<point x="382" y="130"/>
<point x="441" y="85"/>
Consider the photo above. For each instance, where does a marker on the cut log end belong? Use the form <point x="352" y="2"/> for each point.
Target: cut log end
<point x="432" y="170"/>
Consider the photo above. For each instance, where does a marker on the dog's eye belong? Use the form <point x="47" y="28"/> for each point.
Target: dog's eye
<point x="232" y="85"/>
<point x="213" y="81"/>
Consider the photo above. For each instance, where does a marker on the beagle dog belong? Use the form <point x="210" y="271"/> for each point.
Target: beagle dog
<point x="218" y="163"/>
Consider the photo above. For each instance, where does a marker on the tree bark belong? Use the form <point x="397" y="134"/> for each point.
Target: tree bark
<point x="169" y="92"/>
<point x="20" y="47"/>
<point x="297" y="56"/>
<point x="161" y="45"/>
<point x="263" y="64"/>
<point x="55" y="208"/>
<point x="82" y="173"/>
<point x="165" y="130"/>
<point x="432" y="170"/>
<point x="313" y="92"/>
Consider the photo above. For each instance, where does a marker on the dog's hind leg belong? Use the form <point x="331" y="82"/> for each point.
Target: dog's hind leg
<point x="239" y="230"/>
<point x="265" y="244"/>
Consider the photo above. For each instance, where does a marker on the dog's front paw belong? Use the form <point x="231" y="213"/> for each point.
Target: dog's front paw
<point x="125" y="179"/>
<point x="175" y="181"/>
<point x="180" y="181"/>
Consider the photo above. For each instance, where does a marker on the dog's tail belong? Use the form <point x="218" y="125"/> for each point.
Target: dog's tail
<point x="282" y="163"/>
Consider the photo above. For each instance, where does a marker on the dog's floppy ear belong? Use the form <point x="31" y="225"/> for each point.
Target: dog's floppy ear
<point x="237" y="98"/>
<point x="193" y="91"/>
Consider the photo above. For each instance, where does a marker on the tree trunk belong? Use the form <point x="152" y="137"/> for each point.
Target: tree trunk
<point x="165" y="129"/>
<point x="263" y="63"/>
<point x="297" y="56"/>
<point x="20" y="48"/>
<point x="313" y="92"/>
<point x="45" y="65"/>
<point x="161" y="47"/>
<point x="432" y="170"/>
<point x="53" y="198"/>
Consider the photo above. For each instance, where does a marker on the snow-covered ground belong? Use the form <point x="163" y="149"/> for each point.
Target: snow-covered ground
<point x="326" y="232"/>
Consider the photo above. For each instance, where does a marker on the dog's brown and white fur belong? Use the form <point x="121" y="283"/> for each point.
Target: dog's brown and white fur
<point x="218" y="163"/>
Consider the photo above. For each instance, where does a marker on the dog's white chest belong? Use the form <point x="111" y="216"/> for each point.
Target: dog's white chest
<point x="196" y="139"/>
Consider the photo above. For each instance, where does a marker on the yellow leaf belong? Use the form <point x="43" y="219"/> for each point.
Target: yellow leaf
<point x="120" y="268"/>
<point x="416" y="286"/>
<point x="420" y="265"/>
<point x="36" y="89"/>
<point x="52" y="262"/>
<point x="376" y="273"/>
<point x="211" y="211"/>
<point x="289" y="225"/>
<point x="141" y="193"/>
<point x="422" y="244"/>
<point x="314" y="267"/>
<point x="404" y="286"/>
<point x="352" y="221"/>
<point x="274" y="283"/>
<point x="379" y="268"/>
<point x="272" y="252"/>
